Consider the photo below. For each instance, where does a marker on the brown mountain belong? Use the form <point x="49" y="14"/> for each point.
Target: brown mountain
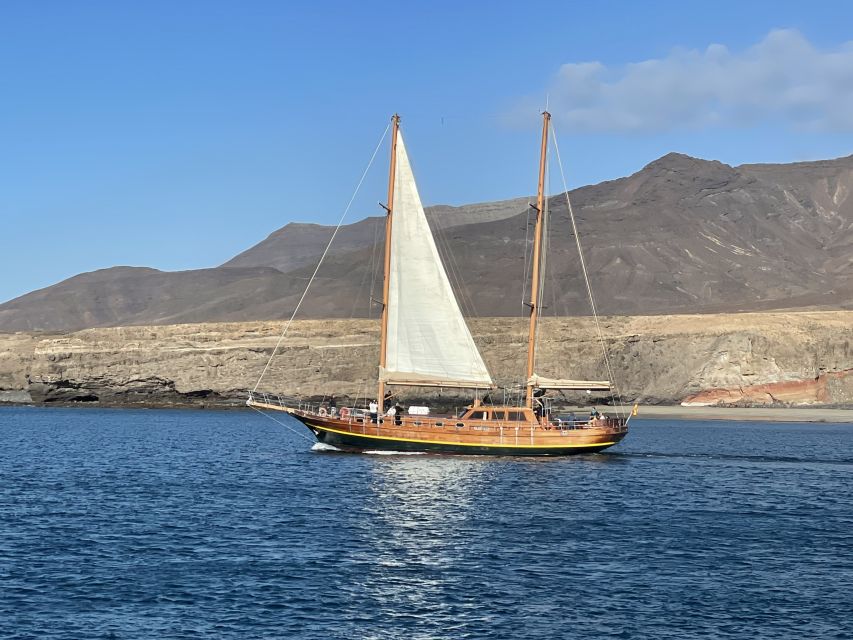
<point x="681" y="235"/>
<point x="300" y="244"/>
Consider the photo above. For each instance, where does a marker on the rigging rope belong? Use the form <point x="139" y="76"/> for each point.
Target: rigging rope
<point x="368" y="273"/>
<point x="373" y="274"/>
<point x="322" y="257"/>
<point x="548" y="274"/>
<point x="586" y="275"/>
<point x="526" y="261"/>
<point x="528" y="265"/>
<point x="286" y="426"/>
<point x="543" y="260"/>
<point x="374" y="268"/>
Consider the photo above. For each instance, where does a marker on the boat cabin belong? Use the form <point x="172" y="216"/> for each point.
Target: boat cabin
<point x="501" y="414"/>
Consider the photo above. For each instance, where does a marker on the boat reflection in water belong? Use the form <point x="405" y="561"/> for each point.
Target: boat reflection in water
<point x="425" y="507"/>
<point x="431" y="535"/>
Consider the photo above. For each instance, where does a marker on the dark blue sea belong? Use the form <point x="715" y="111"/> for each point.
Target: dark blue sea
<point x="202" y="524"/>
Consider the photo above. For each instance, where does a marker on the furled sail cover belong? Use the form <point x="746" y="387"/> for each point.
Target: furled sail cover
<point x="554" y="383"/>
<point x="428" y="342"/>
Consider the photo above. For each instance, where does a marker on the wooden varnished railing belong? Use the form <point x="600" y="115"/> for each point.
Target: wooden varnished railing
<point x="358" y="417"/>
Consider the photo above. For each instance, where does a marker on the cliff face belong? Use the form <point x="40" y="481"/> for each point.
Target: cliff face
<point x="754" y="358"/>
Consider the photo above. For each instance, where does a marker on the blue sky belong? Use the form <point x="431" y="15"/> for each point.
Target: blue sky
<point x="176" y="134"/>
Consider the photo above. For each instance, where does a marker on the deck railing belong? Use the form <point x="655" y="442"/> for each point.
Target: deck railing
<point x="358" y="415"/>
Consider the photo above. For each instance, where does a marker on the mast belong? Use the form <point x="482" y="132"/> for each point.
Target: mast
<point x="537" y="252"/>
<point x="389" y="208"/>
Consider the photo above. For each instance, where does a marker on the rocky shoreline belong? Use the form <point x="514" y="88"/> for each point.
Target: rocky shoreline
<point x="778" y="359"/>
<point x="645" y="412"/>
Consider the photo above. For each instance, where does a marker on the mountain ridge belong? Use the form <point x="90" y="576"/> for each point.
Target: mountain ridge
<point x="682" y="234"/>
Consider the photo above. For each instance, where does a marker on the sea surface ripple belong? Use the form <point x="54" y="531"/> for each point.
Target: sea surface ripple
<point x="197" y="524"/>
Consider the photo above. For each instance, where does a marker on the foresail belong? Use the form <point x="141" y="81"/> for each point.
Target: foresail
<point x="428" y="342"/>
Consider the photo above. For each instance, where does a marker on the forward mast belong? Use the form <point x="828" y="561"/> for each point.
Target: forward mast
<point x="537" y="259"/>
<point x="386" y="282"/>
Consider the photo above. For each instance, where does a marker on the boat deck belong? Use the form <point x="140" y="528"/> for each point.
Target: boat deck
<point x="356" y="428"/>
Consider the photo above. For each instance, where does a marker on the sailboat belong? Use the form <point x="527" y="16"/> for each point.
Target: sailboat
<point x="425" y="342"/>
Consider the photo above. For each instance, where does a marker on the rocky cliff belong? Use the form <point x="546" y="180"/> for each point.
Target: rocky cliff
<point x="751" y="358"/>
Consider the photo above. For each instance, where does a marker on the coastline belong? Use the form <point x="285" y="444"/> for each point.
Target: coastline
<point x="766" y="366"/>
<point x="812" y="414"/>
<point x="764" y="414"/>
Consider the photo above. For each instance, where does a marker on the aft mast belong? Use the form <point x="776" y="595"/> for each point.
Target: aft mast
<point x="389" y="218"/>
<point x="537" y="252"/>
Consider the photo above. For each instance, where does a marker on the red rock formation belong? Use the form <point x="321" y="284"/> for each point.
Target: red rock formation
<point x="828" y="388"/>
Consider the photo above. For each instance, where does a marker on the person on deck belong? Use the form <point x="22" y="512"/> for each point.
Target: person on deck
<point x="373" y="408"/>
<point x="398" y="414"/>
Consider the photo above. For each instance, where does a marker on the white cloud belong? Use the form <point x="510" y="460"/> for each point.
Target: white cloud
<point x="783" y="78"/>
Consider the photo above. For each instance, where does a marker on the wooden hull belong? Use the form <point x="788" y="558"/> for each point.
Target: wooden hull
<point x="444" y="436"/>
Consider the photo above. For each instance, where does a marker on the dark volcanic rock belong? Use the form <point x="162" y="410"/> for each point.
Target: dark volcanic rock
<point x="681" y="235"/>
<point x="298" y="244"/>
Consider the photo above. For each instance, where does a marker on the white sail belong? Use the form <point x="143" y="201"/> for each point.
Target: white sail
<point x="428" y="342"/>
